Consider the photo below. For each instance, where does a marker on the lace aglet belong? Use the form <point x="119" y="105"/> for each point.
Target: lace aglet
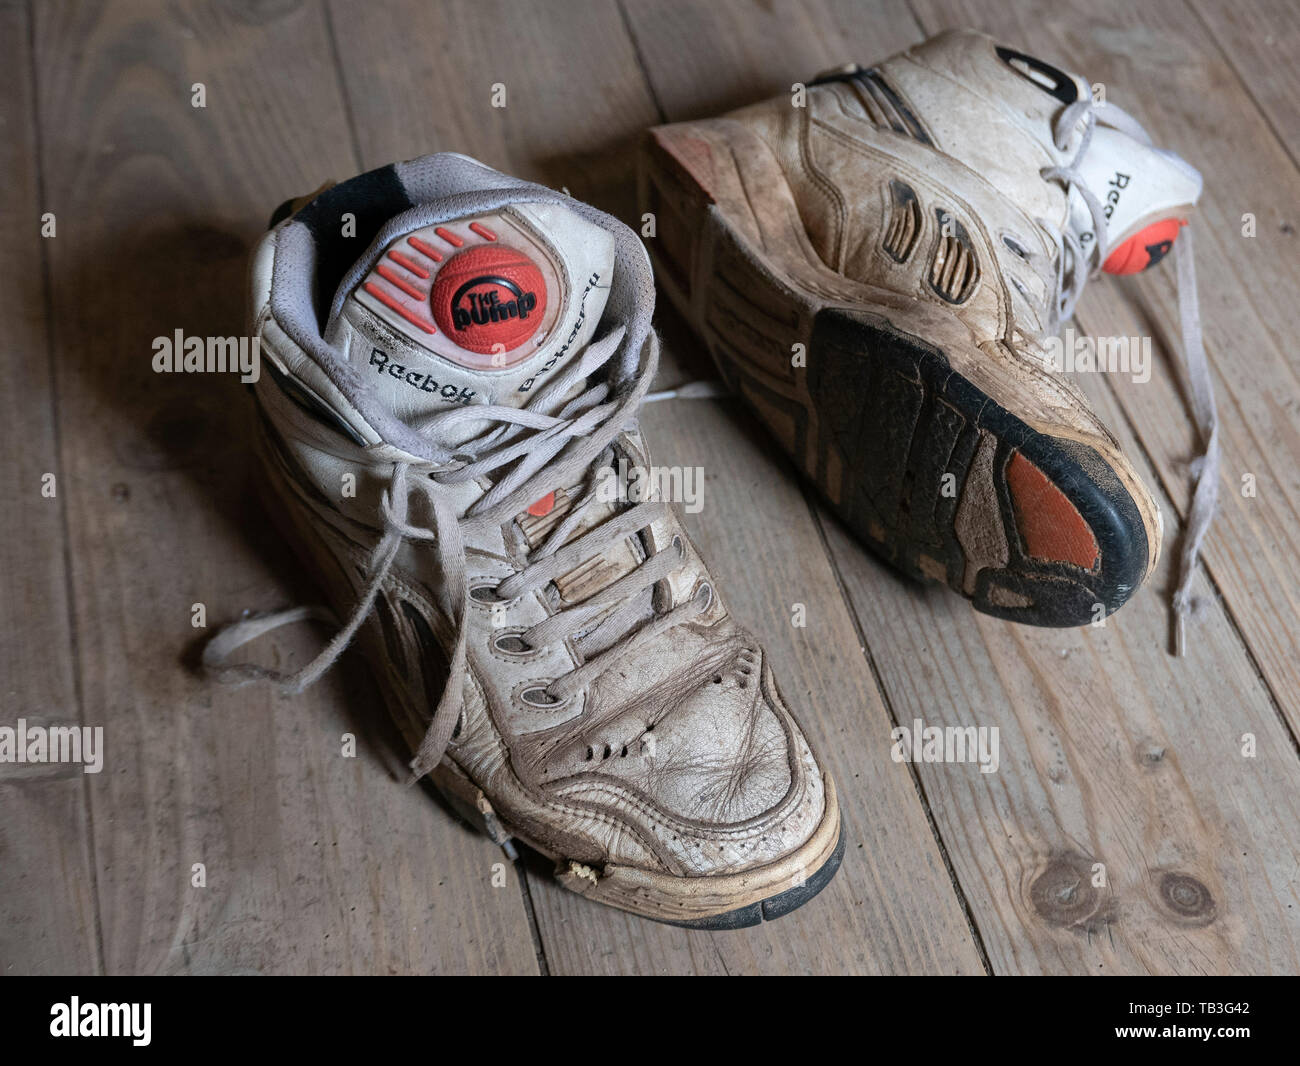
<point x="1180" y="634"/>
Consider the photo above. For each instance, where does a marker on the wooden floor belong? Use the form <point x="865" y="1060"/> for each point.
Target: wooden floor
<point x="1113" y="752"/>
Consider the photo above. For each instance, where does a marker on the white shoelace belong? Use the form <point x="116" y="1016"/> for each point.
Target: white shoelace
<point x="573" y="443"/>
<point x="1067" y="286"/>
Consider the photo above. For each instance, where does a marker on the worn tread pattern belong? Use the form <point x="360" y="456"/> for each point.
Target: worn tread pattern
<point x="901" y="418"/>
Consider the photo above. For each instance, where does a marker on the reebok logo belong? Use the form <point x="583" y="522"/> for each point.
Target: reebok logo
<point x="383" y="364"/>
<point x="1114" y="187"/>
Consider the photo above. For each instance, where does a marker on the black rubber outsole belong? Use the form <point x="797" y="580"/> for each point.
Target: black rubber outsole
<point x="887" y="395"/>
<point x="774" y="907"/>
<point x="898" y="418"/>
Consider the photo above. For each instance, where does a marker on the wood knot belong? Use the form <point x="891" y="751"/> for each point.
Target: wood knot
<point x="1063" y="894"/>
<point x="1188" y="898"/>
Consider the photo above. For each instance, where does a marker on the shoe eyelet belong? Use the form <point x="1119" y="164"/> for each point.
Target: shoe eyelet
<point x="679" y="545"/>
<point x="511" y="642"/>
<point x="487" y="595"/>
<point x="537" y="696"/>
<point x="705" y="590"/>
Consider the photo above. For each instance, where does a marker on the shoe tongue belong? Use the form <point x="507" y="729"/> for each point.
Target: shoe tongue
<point x="1145" y="192"/>
<point x="484" y="309"/>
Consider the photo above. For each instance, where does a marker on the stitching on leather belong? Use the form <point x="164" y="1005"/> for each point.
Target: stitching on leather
<point x="826" y="187"/>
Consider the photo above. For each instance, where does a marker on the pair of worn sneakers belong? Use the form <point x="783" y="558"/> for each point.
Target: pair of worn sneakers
<point x="454" y="360"/>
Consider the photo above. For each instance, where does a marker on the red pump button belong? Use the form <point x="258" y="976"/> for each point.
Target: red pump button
<point x="1144" y="249"/>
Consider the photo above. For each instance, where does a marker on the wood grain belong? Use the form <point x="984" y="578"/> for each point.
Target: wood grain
<point x="47" y="896"/>
<point x="314" y="862"/>
<point x="1261" y="40"/>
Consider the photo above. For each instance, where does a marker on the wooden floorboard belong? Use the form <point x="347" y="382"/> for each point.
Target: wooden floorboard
<point x="314" y="862"/>
<point x="1261" y="40"/>
<point x="47" y="882"/>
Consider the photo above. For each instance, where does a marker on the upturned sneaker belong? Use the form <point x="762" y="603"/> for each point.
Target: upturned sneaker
<point x="880" y="264"/>
<point x="453" y="361"/>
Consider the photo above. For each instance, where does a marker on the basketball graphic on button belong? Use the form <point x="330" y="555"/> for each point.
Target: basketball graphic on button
<point x="489" y="299"/>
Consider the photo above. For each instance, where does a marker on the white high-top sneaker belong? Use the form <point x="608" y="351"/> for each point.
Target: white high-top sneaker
<point x="919" y="231"/>
<point x="453" y="364"/>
